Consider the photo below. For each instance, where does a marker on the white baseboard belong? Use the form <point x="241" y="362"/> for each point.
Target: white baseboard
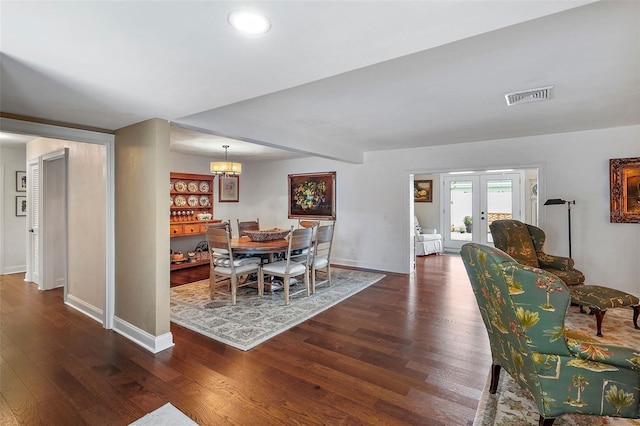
<point x="14" y="269"/>
<point x="86" y="308"/>
<point x="148" y="341"/>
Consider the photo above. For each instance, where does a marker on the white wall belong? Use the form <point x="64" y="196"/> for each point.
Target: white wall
<point x="14" y="228"/>
<point x="373" y="207"/>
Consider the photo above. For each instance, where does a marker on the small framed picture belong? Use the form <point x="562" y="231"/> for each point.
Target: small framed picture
<point x="21" y="205"/>
<point x="21" y="181"/>
<point x="229" y="189"/>
<point x="423" y="191"/>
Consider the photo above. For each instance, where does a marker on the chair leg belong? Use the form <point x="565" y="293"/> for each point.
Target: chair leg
<point x="285" y="284"/>
<point x="599" y="317"/>
<point x="306" y="282"/>
<point x="329" y="274"/>
<point x="636" y="312"/>
<point x="546" y="422"/>
<point x="313" y="280"/>
<point x="495" y="377"/>
<point x="234" y="289"/>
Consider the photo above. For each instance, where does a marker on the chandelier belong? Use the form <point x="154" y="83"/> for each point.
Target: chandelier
<point x="225" y="168"/>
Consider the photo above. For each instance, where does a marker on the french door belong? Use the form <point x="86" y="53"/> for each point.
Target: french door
<point x="472" y="201"/>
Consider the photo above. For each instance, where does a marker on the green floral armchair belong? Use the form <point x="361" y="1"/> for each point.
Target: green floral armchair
<point x="523" y="309"/>
<point x="525" y="244"/>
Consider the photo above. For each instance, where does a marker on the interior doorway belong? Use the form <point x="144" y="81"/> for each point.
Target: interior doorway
<point x="516" y="188"/>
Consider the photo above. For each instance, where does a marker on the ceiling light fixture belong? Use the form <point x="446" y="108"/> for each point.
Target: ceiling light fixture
<point x="249" y="22"/>
<point x="225" y="168"/>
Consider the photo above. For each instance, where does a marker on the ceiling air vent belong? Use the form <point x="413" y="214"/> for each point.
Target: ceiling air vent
<point x="530" y="95"/>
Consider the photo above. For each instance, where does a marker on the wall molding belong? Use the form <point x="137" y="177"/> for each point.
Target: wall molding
<point x="88" y="309"/>
<point x="153" y="344"/>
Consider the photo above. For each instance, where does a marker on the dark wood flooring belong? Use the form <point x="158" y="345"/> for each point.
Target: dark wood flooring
<point x="409" y="350"/>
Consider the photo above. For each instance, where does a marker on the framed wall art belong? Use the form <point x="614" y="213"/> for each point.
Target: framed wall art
<point x="312" y="196"/>
<point x="21" y="181"/>
<point x="423" y="191"/>
<point x="624" y="182"/>
<point x="228" y="189"/>
<point x="21" y="205"/>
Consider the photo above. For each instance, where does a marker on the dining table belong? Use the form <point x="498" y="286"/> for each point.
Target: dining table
<point x="244" y="245"/>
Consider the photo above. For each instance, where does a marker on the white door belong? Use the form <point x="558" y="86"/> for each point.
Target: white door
<point x="34" y="265"/>
<point x="472" y="202"/>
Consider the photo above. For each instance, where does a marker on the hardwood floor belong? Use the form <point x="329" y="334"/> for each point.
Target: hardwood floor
<point x="411" y="349"/>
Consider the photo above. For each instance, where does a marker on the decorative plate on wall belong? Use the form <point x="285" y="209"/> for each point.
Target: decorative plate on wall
<point x="180" y="186"/>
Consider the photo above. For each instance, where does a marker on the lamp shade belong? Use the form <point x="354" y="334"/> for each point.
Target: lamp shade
<point x="225" y="168"/>
<point x="552" y="201"/>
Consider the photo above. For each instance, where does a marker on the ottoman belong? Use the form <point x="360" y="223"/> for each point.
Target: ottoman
<point x="599" y="299"/>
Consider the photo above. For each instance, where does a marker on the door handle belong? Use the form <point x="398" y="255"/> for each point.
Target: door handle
<point x="31" y="230"/>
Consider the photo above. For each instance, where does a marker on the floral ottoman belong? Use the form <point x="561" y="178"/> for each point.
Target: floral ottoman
<point x="599" y="299"/>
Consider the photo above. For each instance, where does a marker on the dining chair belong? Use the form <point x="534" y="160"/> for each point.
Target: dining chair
<point x="221" y="225"/>
<point x="320" y="258"/>
<point x="287" y="268"/>
<point x="223" y="264"/>
<point x="308" y="223"/>
<point x="250" y="225"/>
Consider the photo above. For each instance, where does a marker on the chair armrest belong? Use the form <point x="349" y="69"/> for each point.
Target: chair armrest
<point x="618" y="356"/>
<point x="556" y="262"/>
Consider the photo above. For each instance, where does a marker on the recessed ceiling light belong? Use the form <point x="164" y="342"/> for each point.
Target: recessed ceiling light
<point x="249" y="22"/>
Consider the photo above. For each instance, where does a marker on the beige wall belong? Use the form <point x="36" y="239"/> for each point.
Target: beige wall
<point x="86" y="210"/>
<point x="142" y="223"/>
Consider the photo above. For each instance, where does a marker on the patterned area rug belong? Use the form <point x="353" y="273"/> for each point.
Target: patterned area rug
<point x="513" y="406"/>
<point x="255" y="319"/>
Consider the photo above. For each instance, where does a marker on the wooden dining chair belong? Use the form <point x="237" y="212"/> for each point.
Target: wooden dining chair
<point x="308" y="223"/>
<point x="221" y="225"/>
<point x="223" y="265"/>
<point x="321" y="255"/>
<point x="250" y="225"/>
<point x="287" y="268"/>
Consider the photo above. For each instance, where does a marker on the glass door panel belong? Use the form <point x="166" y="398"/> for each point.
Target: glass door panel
<point x="499" y="202"/>
<point x="472" y="202"/>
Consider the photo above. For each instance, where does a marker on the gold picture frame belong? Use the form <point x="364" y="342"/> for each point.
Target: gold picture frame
<point x="624" y="188"/>
<point x="312" y="196"/>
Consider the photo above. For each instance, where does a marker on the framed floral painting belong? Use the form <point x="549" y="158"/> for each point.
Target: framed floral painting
<point x="624" y="184"/>
<point x="312" y="196"/>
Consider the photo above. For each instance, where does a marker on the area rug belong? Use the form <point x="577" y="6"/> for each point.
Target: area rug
<point x="512" y="405"/>
<point x="255" y="319"/>
<point x="167" y="415"/>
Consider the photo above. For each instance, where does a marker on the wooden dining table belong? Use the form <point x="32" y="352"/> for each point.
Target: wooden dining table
<point x="244" y="245"/>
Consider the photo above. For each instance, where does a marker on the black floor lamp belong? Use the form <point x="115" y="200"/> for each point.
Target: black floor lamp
<point x="553" y="201"/>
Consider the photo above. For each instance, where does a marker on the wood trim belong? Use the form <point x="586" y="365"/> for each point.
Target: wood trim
<point x="55" y="123"/>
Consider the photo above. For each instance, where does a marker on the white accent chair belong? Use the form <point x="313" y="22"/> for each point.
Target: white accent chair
<point x="427" y="240"/>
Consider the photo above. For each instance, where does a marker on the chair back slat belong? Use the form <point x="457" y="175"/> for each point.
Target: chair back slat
<point x="250" y="225"/>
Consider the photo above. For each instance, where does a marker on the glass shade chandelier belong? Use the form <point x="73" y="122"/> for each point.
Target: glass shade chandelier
<point x="226" y="167"/>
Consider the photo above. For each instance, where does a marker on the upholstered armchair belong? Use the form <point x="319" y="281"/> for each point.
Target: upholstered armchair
<point x="523" y="309"/>
<point x="525" y="244"/>
<point x="427" y="241"/>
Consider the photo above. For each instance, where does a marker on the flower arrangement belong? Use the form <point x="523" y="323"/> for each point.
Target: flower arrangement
<point x="309" y="195"/>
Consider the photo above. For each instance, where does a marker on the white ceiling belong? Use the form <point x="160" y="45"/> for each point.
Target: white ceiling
<point x="332" y="79"/>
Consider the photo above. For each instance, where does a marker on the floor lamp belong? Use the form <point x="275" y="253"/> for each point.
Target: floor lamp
<point x="554" y="201"/>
